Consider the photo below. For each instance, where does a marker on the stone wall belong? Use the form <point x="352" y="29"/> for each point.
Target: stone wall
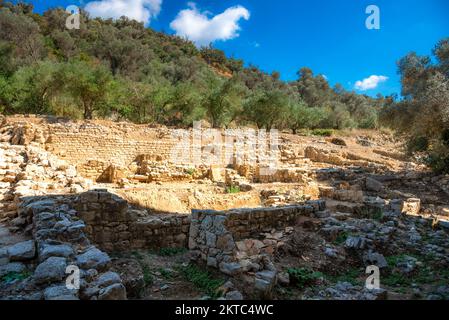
<point x="93" y="146"/>
<point x="58" y="242"/>
<point x="213" y="234"/>
<point x="113" y="226"/>
<point x="222" y="240"/>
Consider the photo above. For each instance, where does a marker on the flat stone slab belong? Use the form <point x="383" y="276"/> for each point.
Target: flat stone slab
<point x="51" y="270"/>
<point x="59" y="293"/>
<point x="22" y="251"/>
<point x="62" y="250"/>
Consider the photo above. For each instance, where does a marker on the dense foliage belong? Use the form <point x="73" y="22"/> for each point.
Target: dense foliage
<point x="122" y="70"/>
<point x="423" y="115"/>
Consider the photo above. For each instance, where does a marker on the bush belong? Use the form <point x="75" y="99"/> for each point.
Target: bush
<point x="233" y="189"/>
<point x="419" y="144"/>
<point x="202" y="280"/>
<point x="323" y="132"/>
<point x="438" y="163"/>
<point x="445" y="137"/>
<point x="302" y="277"/>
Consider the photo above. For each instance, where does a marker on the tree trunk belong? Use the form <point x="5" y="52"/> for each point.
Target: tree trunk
<point x="87" y="111"/>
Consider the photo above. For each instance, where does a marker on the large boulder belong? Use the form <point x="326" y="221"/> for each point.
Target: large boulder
<point x="107" y="279"/>
<point x="411" y="206"/>
<point x="231" y="268"/>
<point x="375" y="258"/>
<point x="22" y="251"/>
<point x="61" y="250"/>
<point x="51" y="270"/>
<point x="264" y="283"/>
<point x="373" y="185"/>
<point x="93" y="258"/>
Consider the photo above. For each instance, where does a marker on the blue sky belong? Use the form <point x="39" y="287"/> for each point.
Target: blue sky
<point x="329" y="36"/>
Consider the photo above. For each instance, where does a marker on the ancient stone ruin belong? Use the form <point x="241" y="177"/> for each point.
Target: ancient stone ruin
<point x="110" y="199"/>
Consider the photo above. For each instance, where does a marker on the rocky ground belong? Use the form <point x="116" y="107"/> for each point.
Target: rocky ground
<point x="378" y="208"/>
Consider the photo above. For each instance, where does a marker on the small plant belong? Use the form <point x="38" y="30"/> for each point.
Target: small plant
<point x="341" y="238"/>
<point x="190" y="171"/>
<point x="323" y="132"/>
<point x="233" y="189"/>
<point x="378" y="215"/>
<point x="169" y="252"/>
<point x="147" y="276"/>
<point x="303" y="277"/>
<point x="167" y="274"/>
<point x="350" y="276"/>
<point x="137" y="255"/>
<point x="202" y="280"/>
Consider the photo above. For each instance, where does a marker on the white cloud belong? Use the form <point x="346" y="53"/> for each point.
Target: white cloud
<point x="140" y="10"/>
<point x="198" y="27"/>
<point x="370" y="83"/>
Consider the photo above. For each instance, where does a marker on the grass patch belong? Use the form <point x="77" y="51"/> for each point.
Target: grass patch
<point x="147" y="276"/>
<point x="137" y="255"/>
<point x="341" y="238"/>
<point x="166" y="274"/>
<point x="303" y="277"/>
<point x="233" y="189"/>
<point x="350" y="276"/>
<point x="378" y="215"/>
<point x="14" y="276"/>
<point x="202" y="280"/>
<point x="190" y="171"/>
<point x="423" y="275"/>
<point x="169" y="252"/>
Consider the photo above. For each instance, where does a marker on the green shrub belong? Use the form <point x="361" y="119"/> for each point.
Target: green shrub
<point x="341" y="238"/>
<point x="323" y="132"/>
<point x="147" y="276"/>
<point x="202" y="280"/>
<point x="418" y="144"/>
<point x="350" y="276"/>
<point x="303" y="277"/>
<point x="438" y="163"/>
<point x="169" y="252"/>
<point x="233" y="189"/>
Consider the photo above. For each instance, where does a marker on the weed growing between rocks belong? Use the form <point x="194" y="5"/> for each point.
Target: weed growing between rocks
<point x="169" y="252"/>
<point x="202" y="279"/>
<point x="302" y="277"/>
<point x="233" y="189"/>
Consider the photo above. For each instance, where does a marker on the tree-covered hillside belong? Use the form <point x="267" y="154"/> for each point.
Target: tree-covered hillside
<point x="122" y="70"/>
